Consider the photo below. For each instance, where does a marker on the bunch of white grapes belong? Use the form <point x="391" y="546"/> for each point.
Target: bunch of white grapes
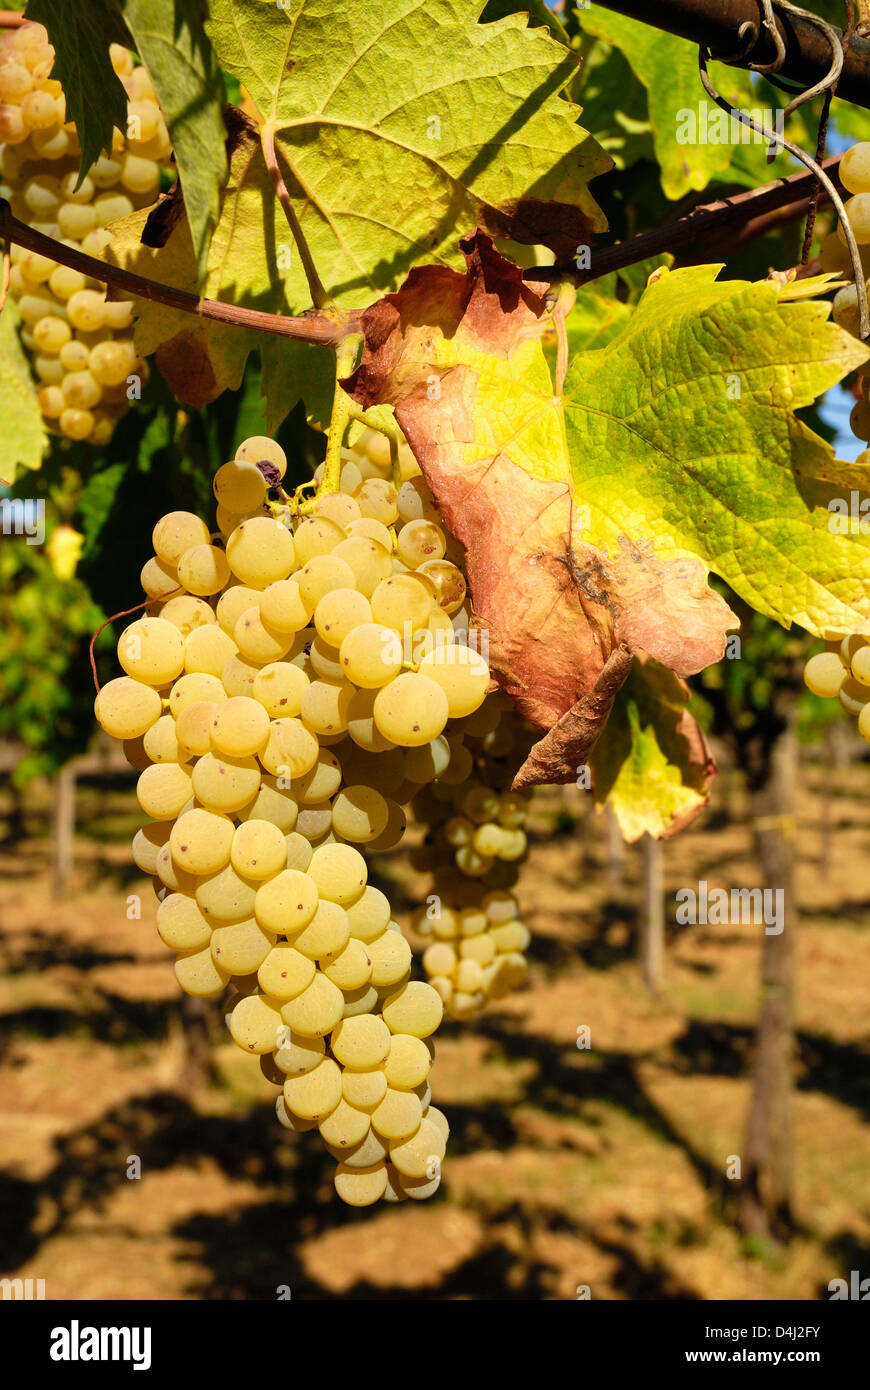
<point x="473" y="850"/>
<point x="80" y="342"/>
<point x="855" y="176"/>
<point x="842" y="672"/>
<point x="292" y="689"/>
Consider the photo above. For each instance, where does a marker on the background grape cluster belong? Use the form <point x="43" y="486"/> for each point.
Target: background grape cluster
<point x="305" y="673"/>
<point x="80" y="342"/>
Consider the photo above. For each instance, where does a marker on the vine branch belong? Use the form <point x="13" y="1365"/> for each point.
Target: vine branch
<point x="319" y="298"/>
<point x="714" y="222"/>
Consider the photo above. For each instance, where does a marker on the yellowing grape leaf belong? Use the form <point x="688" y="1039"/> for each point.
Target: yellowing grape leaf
<point x="461" y="359"/>
<point x="23" y="438"/>
<point x="652" y="762"/>
<point x="591" y="520"/>
<point x="402" y="125"/>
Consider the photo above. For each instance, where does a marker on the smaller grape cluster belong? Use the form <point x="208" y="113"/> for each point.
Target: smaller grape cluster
<point x="842" y="672"/>
<point x="80" y="341"/>
<point x="473" y="850"/>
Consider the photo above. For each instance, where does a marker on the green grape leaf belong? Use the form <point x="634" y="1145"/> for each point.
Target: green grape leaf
<point x="187" y="80"/>
<point x="200" y="358"/>
<point x="652" y="762"/>
<point x="23" y="439"/>
<point x="668" y="68"/>
<point x="683" y="430"/>
<point x="390" y="155"/>
<point x="591" y="520"/>
<point x="95" y="96"/>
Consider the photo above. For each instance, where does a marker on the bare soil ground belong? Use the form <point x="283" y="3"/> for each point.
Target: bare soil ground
<point x="602" y="1167"/>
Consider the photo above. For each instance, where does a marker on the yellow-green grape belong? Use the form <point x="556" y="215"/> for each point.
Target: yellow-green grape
<point x="472" y="921"/>
<point x="193" y="727"/>
<point x="378" y="499"/>
<point x="223" y="783"/>
<point x="409" y="1062"/>
<point x="360" y="1187"/>
<point x="853" y="695"/>
<point x="462" y="674"/>
<point x="75" y="423"/>
<point x="368" y="559"/>
<point x="369" y="914"/>
<point x="339" y="872"/>
<point x="275" y="804"/>
<point x="419" y="541"/>
<point x="171" y="876"/>
<point x="226" y="896"/>
<point x="188" y="613"/>
<point x="291" y="750"/>
<point x="415" y="1009"/>
<point x="854" y="169"/>
<point x="232" y="603"/>
<point x="321" y="782"/>
<point x="858" y="214"/>
<point x="285" y="972"/>
<point x="314" y="1094"/>
<point x="240" y="727"/>
<point x="193" y="688"/>
<point x="258" y="448"/>
<point x="399" y="1114"/>
<point x="286" y="903"/>
<point x="824" y="674"/>
<point x="361" y="1043"/>
<point x="371" y="655"/>
<point x="337" y="507"/>
<point x="360" y="1001"/>
<point x="324" y="706"/>
<point x="257" y="641"/>
<point x="316" y="536"/>
<point x="338" y="613"/>
<point x="140" y="176"/>
<point x="317" y="1010"/>
<point x="181" y="925"/>
<point x="255" y="1025"/>
<point x="469" y="862"/>
<point x="320" y="575"/>
<point x="282" y="606"/>
<point x="49" y="336"/>
<point x="151" y="650"/>
<point x="864" y="723"/>
<point x="237" y="677"/>
<point x="299" y="851"/>
<point x="411" y="710"/>
<point x="297" y="1055"/>
<point x="199" y="975"/>
<point x="402" y="602"/>
<point x="359" y="813"/>
<point x="203" y="570"/>
<point x="420" y="1155"/>
<point x="439" y="959"/>
<point x="201" y="841"/>
<point x="326" y="935"/>
<point x="373" y="530"/>
<point x="260" y="551"/>
<point x="315" y="822"/>
<point x="259" y="850"/>
<point x="510" y="936"/>
<point x="126" y="708"/>
<point x="351" y="968"/>
<point x="860" y="663"/>
<point x="207" y="651"/>
<point x="448" y="580"/>
<point x="241" y="947"/>
<point x="146" y="844"/>
<point x="177" y="531"/>
<point x="163" y="790"/>
<point x="160" y="742"/>
<point x="364" y="1090"/>
<point x="391" y="959"/>
<point x="288" y="1120"/>
<point x="428" y="761"/>
<point x="278" y="687"/>
<point x="345" y="1127"/>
